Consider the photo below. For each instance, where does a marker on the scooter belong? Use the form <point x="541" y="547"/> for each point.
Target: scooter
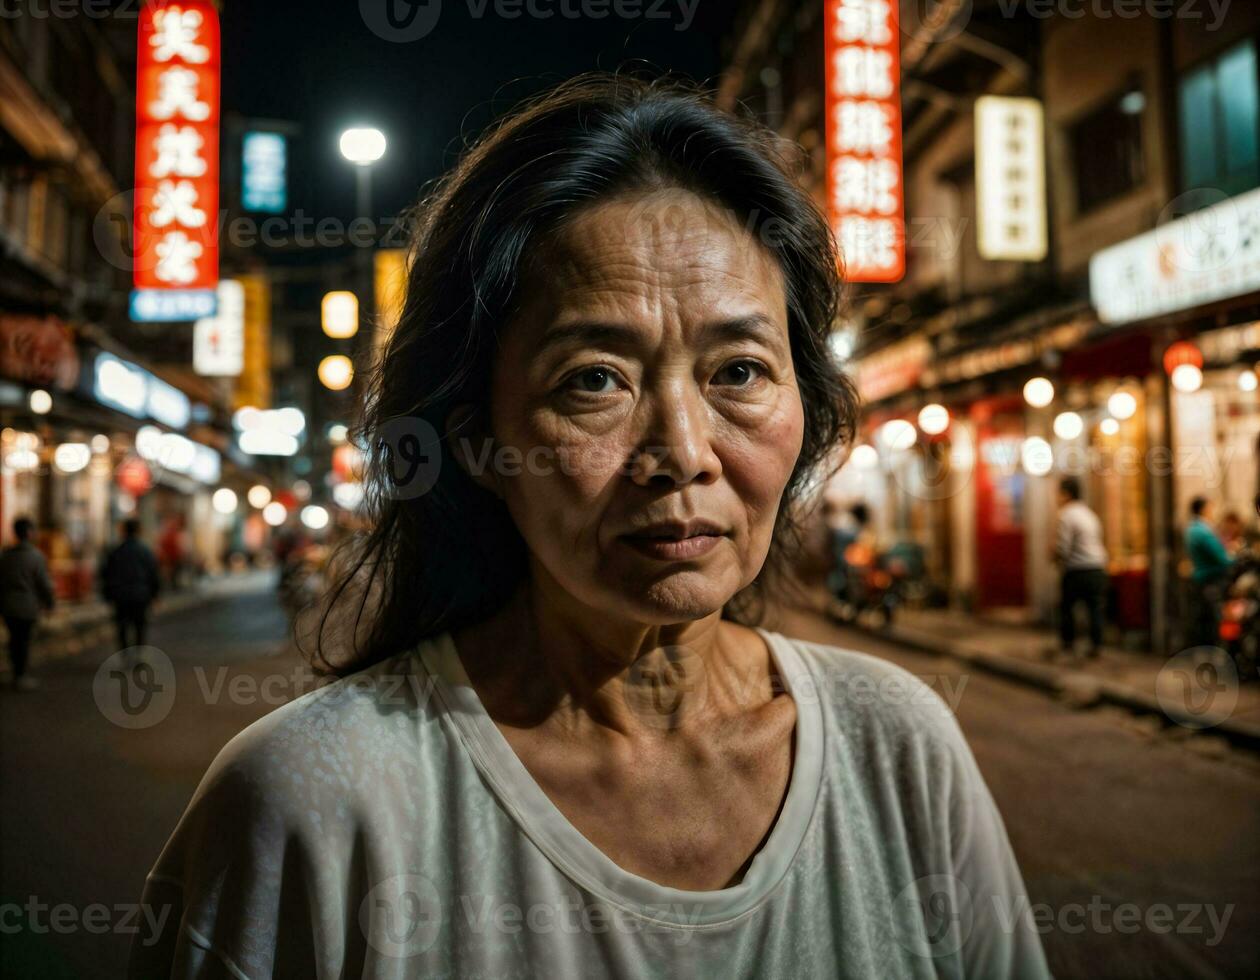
<point x="1239" y="629"/>
<point x="867" y="584"/>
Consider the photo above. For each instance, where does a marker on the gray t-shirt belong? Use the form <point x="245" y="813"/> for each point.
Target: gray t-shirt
<point x="382" y="827"/>
<point x="1079" y="538"/>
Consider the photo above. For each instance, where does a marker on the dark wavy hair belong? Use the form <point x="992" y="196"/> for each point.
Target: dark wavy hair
<point x="452" y="555"/>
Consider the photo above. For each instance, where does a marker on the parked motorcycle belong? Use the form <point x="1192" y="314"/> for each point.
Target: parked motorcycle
<point x="1239" y="628"/>
<point x="868" y="584"/>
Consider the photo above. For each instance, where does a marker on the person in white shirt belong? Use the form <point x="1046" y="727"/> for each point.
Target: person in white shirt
<point x="561" y="745"/>
<point x="1082" y="558"/>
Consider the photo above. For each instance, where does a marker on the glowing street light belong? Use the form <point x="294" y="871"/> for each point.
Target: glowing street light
<point x="864" y="457"/>
<point x="1037" y="456"/>
<point x="1187" y="378"/>
<point x="71" y="457"/>
<point x="896" y="435"/>
<point x="315" y="517"/>
<point x="339" y="314"/>
<point x="223" y="501"/>
<point x="1039" y="392"/>
<point x="259" y="496"/>
<point x="336" y="372"/>
<point x="1122" y="405"/>
<point x="934" y="419"/>
<point x="362" y="145"/>
<point x="1068" y="425"/>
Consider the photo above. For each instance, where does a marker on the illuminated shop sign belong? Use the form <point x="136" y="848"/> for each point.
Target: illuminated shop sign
<point x="177" y="161"/>
<point x="1010" y="179"/>
<point x="863" y="107"/>
<point x="134" y="391"/>
<point x="1206" y="256"/>
<point x="219" y="340"/>
<point x="264" y="183"/>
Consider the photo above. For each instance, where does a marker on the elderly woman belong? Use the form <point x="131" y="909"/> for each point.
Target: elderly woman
<point x="562" y="746"/>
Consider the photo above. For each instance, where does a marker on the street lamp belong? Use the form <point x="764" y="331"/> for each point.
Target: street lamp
<point x="363" y="146"/>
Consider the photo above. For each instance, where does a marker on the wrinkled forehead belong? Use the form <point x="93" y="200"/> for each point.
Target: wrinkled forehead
<point x="632" y="255"/>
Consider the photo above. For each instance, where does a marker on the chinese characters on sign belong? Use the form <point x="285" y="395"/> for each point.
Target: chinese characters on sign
<point x="1209" y="255"/>
<point x="1010" y="179"/>
<point x="177" y="161"/>
<point x="863" y="105"/>
<point x="219" y="340"/>
<point x="264" y="184"/>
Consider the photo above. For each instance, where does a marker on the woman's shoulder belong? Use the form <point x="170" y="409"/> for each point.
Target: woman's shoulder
<point x="865" y="694"/>
<point x="344" y="738"/>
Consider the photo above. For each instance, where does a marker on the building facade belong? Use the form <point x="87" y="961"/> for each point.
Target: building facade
<point x="1144" y="195"/>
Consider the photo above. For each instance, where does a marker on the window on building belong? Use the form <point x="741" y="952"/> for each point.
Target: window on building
<point x="1220" y="122"/>
<point x="1107" y="152"/>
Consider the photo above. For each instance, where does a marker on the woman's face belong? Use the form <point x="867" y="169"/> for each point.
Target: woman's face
<point x="648" y="377"/>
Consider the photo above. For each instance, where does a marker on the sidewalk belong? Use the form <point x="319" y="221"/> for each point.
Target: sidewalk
<point x="73" y="627"/>
<point x="1139" y="681"/>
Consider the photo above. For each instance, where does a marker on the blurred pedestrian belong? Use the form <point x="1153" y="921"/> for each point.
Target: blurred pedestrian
<point x="130" y="582"/>
<point x="171" y="550"/>
<point x="1210" y="564"/>
<point x="851" y="530"/>
<point x="25" y="589"/>
<point x="1082" y="558"/>
<point x="1233" y="533"/>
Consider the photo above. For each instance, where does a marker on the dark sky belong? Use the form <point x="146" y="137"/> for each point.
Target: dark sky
<point x="321" y="65"/>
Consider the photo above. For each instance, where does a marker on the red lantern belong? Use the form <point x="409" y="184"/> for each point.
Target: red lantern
<point x="134" y="476"/>
<point x="1182" y="352"/>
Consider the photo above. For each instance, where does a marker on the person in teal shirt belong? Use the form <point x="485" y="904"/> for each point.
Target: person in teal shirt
<point x="1211" y="563"/>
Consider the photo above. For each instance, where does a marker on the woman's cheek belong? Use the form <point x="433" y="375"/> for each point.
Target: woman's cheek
<point x="588" y="465"/>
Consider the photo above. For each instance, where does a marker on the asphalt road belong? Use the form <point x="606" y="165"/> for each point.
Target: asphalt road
<point x="1140" y="848"/>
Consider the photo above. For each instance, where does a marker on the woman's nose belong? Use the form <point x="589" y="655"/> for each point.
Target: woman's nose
<point x="678" y="441"/>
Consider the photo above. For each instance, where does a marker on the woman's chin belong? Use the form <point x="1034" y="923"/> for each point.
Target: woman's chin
<point x="683" y="595"/>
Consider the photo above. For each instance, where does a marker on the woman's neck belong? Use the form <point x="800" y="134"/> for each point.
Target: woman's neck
<point x="541" y="660"/>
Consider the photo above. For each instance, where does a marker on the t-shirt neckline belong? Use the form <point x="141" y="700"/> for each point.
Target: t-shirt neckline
<point x="588" y="866"/>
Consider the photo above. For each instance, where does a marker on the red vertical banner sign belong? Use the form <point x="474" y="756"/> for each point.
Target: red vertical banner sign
<point x="177" y="161"/>
<point x="863" y="105"/>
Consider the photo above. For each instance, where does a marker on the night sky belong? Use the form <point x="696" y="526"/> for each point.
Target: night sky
<point x="322" y="66"/>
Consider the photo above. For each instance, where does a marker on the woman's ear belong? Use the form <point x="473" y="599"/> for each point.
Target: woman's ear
<point x="472" y="445"/>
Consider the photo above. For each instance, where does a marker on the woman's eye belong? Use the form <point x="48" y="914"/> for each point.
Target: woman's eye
<point x="592" y="381"/>
<point x="741" y="373"/>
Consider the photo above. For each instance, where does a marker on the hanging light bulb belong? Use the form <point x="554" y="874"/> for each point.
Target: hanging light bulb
<point x="934" y="419"/>
<point x="1039" y="392"/>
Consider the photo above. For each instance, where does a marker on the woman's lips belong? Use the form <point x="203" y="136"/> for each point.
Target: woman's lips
<point x="674" y="548"/>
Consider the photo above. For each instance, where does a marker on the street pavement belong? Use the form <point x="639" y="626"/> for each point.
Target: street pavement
<point x="1140" y="844"/>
